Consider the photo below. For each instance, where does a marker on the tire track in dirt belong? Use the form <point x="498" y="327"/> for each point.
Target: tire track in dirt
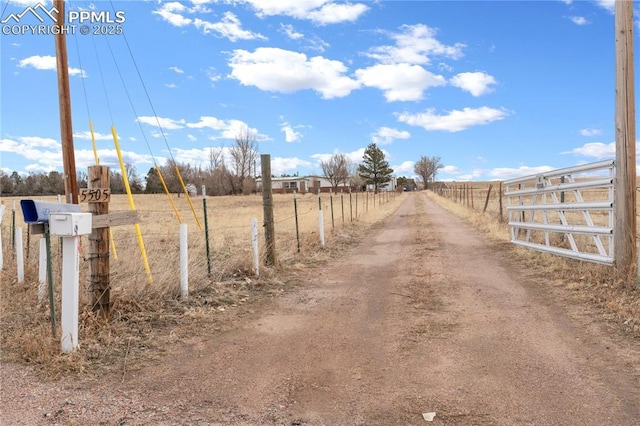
<point x="423" y="315"/>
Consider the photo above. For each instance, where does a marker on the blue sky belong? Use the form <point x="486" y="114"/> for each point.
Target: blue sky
<point x="497" y="89"/>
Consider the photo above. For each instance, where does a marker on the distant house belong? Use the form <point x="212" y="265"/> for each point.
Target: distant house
<point x="314" y="184"/>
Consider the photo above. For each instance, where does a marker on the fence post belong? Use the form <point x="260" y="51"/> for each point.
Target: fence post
<point x="99" y="280"/>
<point x="267" y="204"/>
<point x="351" y="211"/>
<point x="206" y="228"/>
<point x="19" y="254"/>
<point x="184" y="262"/>
<point x="320" y="221"/>
<point x="52" y="306"/>
<point x="486" y="202"/>
<point x="13" y="225"/>
<point x="500" y="199"/>
<point x="295" y="213"/>
<point x="342" y="205"/>
<point x="42" y="271"/>
<point x="28" y="241"/>
<point x="254" y="246"/>
<point x="333" y="225"/>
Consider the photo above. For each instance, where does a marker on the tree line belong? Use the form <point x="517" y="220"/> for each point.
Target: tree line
<point x="227" y="176"/>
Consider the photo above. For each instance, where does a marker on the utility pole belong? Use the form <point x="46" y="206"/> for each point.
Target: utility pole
<point x="64" y="96"/>
<point x="625" y="252"/>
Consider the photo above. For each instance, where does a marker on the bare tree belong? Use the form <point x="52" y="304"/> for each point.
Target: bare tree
<point x="243" y="156"/>
<point x="337" y="169"/>
<point x="427" y="168"/>
<point x="216" y="158"/>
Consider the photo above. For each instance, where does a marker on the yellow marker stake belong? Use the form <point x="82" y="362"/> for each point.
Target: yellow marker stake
<point x="132" y="206"/>
<point x="184" y="188"/>
<point x="164" y="185"/>
<point x="113" y="245"/>
<point x="93" y="141"/>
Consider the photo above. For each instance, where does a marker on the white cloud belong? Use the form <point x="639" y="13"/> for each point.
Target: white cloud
<point x="606" y="4"/>
<point x="399" y="82"/>
<point x="38" y="142"/>
<point x="579" y="20"/>
<point x="199" y="157"/>
<point x="282" y="165"/>
<point x="177" y="70"/>
<point x="415" y="44"/>
<point x="279" y="70"/>
<point x="476" y="83"/>
<point x="317" y="44"/>
<point x="98" y="136"/>
<point x="450" y="170"/>
<point x="590" y="132"/>
<point x="405" y="168"/>
<point x="597" y="150"/>
<point x="109" y="157"/>
<point x="334" y="13"/>
<point x="322" y="12"/>
<point x="510" y="173"/>
<point x="47" y="63"/>
<point x="290" y="134"/>
<point x="164" y="123"/>
<point x="171" y="85"/>
<point x="172" y="13"/>
<point x="354" y="156"/>
<point x="229" y="27"/>
<point x="290" y="32"/>
<point x="47" y="154"/>
<point x="386" y="135"/>
<point x="454" y="121"/>
<point x="213" y="75"/>
<point x="226" y="129"/>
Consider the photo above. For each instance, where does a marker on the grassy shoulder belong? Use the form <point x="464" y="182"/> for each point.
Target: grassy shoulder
<point x="147" y="319"/>
<point x="618" y="301"/>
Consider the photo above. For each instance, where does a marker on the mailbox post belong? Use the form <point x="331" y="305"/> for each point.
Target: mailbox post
<point x="70" y="226"/>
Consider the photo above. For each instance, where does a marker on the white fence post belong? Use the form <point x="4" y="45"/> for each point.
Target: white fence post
<point x="19" y="254"/>
<point x="320" y="221"/>
<point x="184" y="261"/>
<point x="42" y="270"/>
<point x="254" y="246"/>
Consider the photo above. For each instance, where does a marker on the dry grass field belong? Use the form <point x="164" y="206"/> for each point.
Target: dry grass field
<point x="592" y="283"/>
<point x="146" y="315"/>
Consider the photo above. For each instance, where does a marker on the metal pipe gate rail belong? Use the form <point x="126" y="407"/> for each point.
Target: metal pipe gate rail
<point x="568" y="212"/>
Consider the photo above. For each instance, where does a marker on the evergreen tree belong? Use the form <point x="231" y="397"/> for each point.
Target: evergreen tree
<point x="153" y="185"/>
<point x="374" y="169"/>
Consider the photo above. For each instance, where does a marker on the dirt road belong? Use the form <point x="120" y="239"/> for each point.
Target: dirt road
<point x="423" y="316"/>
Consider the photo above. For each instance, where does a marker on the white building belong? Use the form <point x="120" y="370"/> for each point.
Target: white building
<point x="303" y="184"/>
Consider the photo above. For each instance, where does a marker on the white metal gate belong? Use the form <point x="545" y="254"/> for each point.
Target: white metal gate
<point x="567" y="211"/>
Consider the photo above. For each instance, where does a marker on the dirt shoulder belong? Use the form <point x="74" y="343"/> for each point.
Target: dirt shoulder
<point x="423" y="316"/>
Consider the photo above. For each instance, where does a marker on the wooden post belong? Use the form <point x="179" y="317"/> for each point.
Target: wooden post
<point x="625" y="252"/>
<point x="267" y="205"/>
<point x="500" y="203"/>
<point x="64" y="97"/>
<point x="486" y="202"/>
<point x="99" y="281"/>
